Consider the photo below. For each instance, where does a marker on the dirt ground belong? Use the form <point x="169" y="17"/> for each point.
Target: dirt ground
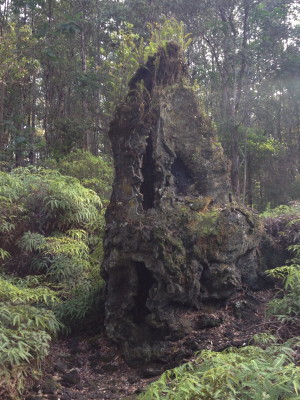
<point x="90" y="367"/>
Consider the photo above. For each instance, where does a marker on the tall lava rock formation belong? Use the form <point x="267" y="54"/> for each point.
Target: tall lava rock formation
<point x="173" y="241"/>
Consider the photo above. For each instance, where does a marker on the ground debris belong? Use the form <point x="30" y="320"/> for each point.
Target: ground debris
<point x="103" y="374"/>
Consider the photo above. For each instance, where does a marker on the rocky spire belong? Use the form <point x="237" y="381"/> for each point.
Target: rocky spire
<point x="171" y="242"/>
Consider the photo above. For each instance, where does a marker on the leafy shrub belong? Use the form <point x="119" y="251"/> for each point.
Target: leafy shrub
<point x="26" y="326"/>
<point x="291" y="209"/>
<point x="286" y="306"/>
<point x="247" y="373"/>
<point x="35" y="202"/>
<point x="93" y="172"/>
<point x="50" y="238"/>
<point x="51" y="225"/>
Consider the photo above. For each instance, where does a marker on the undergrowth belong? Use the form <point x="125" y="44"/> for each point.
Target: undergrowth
<point x="93" y="172"/>
<point x="50" y="247"/>
<point x="286" y="305"/>
<point x="50" y="244"/>
<point x="291" y="209"/>
<point x="247" y="373"/>
<point x="27" y="324"/>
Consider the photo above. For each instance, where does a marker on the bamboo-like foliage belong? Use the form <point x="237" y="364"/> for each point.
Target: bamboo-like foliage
<point x="286" y="306"/>
<point x="134" y="51"/>
<point x="50" y="229"/>
<point x="249" y="373"/>
<point x="26" y="327"/>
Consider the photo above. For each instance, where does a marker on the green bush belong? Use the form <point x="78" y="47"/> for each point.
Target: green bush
<point x="286" y="306"/>
<point x="93" y="172"/>
<point x="249" y="373"/>
<point x="50" y="242"/>
<point x="37" y="202"/>
<point x="26" y="326"/>
<point x="51" y="225"/>
<point x="292" y="209"/>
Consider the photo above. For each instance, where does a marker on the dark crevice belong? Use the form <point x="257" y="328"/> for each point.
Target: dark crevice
<point x="182" y="177"/>
<point x="145" y="281"/>
<point x="148" y="167"/>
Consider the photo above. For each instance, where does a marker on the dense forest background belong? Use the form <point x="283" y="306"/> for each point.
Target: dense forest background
<point x="64" y="66"/>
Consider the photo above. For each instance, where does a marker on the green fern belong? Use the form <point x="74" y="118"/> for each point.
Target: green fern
<point x="50" y="226"/>
<point x="93" y="172"/>
<point x="67" y="246"/>
<point x="4" y="254"/>
<point x="68" y="272"/>
<point x="26" y="328"/>
<point x="249" y="373"/>
<point x="286" y="306"/>
<point x="32" y="242"/>
<point x="22" y="295"/>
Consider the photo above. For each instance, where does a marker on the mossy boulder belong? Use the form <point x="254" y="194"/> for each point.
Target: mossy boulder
<point x="173" y="239"/>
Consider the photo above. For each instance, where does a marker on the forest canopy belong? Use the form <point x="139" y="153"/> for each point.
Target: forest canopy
<point x="64" y="66"/>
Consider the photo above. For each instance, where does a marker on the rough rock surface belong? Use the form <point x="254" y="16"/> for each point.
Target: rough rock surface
<point x="174" y="241"/>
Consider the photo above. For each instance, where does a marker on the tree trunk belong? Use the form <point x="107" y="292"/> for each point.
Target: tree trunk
<point x="235" y="162"/>
<point x="250" y="181"/>
<point x="2" y="132"/>
<point x="19" y="151"/>
<point x="32" y="154"/>
<point x="87" y="135"/>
